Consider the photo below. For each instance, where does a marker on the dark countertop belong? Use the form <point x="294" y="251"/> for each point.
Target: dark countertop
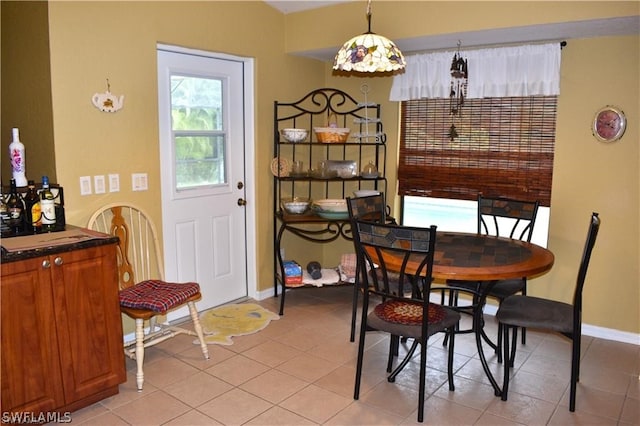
<point x="72" y="238"/>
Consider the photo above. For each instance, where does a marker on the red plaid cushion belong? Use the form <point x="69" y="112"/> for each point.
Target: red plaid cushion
<point x="157" y="296"/>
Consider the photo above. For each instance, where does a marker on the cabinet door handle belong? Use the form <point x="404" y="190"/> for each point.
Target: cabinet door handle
<point x="46" y="264"/>
<point x="58" y="261"/>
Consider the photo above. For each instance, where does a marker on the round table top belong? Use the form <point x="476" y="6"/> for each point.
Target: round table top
<point x="477" y="257"/>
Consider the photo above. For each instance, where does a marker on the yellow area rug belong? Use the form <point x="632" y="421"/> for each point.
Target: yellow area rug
<point x="221" y="323"/>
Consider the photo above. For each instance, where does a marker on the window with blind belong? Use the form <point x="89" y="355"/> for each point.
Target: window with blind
<point x="504" y="148"/>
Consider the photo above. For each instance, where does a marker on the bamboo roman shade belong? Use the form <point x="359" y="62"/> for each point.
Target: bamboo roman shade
<point x="504" y="149"/>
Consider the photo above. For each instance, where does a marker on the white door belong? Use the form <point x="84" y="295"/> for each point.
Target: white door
<point x="202" y="148"/>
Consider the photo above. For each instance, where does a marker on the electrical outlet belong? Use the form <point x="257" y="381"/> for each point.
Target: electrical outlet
<point x="99" y="184"/>
<point x="85" y="185"/>
<point x="114" y="182"/>
<point x="139" y="182"/>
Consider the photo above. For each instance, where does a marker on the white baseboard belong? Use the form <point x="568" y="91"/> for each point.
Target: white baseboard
<point x="587" y="329"/>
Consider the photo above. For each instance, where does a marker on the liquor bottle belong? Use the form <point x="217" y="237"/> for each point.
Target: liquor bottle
<point x="16" y="154"/>
<point x="15" y="209"/>
<point x="33" y="216"/>
<point x="47" y="206"/>
<point x="4" y="215"/>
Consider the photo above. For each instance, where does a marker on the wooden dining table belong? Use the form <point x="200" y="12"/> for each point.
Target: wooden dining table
<point x="477" y="257"/>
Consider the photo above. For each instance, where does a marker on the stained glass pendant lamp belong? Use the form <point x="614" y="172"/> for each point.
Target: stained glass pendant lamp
<point x="369" y="53"/>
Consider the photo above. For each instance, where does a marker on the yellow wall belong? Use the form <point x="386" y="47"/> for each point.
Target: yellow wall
<point x="26" y="87"/>
<point x="92" y="41"/>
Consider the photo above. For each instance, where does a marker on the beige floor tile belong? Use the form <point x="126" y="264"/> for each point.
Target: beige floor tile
<point x="107" y="418"/>
<point x="237" y="369"/>
<point x="192" y="418"/>
<point x="468" y="393"/>
<point x="274" y="386"/>
<point x="438" y="411"/>
<point x="633" y="390"/>
<point x="235" y="407"/>
<point x="272" y="353"/>
<point x="546" y="387"/>
<point x="392" y="397"/>
<point x="88" y="413"/>
<point x="361" y="414"/>
<point x="564" y="417"/>
<point x="595" y="401"/>
<point x="301" y="370"/>
<point x="342" y="381"/>
<point x="315" y="403"/>
<point x="179" y="343"/>
<point x="308" y="367"/>
<point x="166" y="371"/>
<point x="631" y="411"/>
<point x="127" y="392"/>
<point x="303" y="338"/>
<point x="604" y="378"/>
<point x="487" y="419"/>
<point x="153" y="409"/>
<point x="197" y="389"/>
<point x="523" y="409"/>
<point x="278" y="416"/>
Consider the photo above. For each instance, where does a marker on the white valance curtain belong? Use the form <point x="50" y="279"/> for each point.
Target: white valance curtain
<point x="495" y="72"/>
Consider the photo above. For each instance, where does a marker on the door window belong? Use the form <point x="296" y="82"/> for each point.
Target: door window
<point x="199" y="137"/>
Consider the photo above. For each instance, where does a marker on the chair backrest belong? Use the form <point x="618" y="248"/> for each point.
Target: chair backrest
<point x="504" y="217"/>
<point x="371" y="208"/>
<point x="139" y="255"/>
<point x="393" y="249"/>
<point x="594" y="226"/>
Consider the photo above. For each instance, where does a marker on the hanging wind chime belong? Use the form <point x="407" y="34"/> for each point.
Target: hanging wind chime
<point x="458" y="93"/>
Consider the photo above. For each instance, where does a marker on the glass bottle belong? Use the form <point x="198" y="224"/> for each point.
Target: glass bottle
<point x="47" y="206"/>
<point x="15" y="209"/>
<point x="16" y="155"/>
<point x="33" y="220"/>
<point x="4" y="215"/>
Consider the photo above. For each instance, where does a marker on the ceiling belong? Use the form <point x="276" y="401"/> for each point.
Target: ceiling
<point x="291" y="6"/>
<point x="563" y="31"/>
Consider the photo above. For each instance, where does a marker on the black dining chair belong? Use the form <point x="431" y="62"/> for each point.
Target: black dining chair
<point x="372" y="208"/>
<point x="526" y="311"/>
<point x="501" y="217"/>
<point x="406" y="311"/>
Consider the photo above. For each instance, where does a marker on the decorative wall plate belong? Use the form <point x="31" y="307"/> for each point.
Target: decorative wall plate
<point x="280" y="167"/>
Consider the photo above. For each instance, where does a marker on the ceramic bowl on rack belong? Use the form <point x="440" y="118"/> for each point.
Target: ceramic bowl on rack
<point x="294" y="135"/>
<point x="365" y="192"/>
<point x="296" y="205"/>
<point x="331" y="205"/>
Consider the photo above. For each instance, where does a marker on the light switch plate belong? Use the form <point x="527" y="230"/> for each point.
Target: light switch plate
<point x="139" y="182"/>
<point x="85" y="185"/>
<point x="99" y="184"/>
<point x="114" y="182"/>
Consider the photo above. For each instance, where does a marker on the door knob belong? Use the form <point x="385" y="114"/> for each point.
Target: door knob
<point x="242" y="202"/>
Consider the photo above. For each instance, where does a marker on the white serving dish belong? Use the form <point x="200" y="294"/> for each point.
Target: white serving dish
<point x="296" y="205"/>
<point x="294" y="135"/>
<point x="331" y="205"/>
<point x="365" y="192"/>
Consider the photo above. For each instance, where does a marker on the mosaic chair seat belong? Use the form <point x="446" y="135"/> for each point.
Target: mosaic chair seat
<point x="405" y="312"/>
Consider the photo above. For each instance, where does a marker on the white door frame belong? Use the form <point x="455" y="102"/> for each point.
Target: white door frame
<point x="249" y="157"/>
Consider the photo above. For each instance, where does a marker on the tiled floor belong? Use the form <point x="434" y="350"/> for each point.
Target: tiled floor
<point x="300" y="371"/>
